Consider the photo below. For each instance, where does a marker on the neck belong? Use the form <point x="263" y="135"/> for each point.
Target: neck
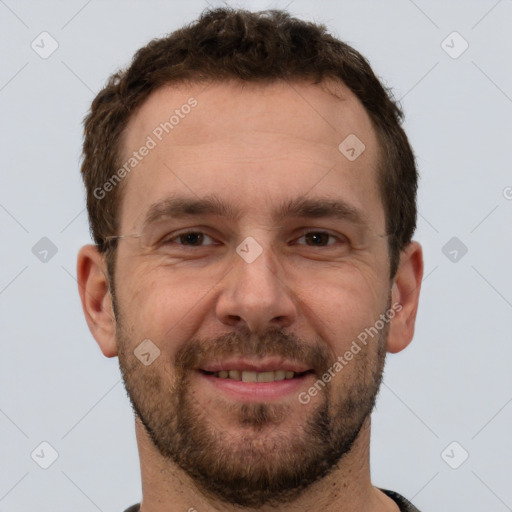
<point x="348" y="488"/>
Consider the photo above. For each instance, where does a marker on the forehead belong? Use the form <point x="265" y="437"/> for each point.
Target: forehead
<point x="245" y="141"/>
<point x="319" y="112"/>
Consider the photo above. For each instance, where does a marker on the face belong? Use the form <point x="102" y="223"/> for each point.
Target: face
<point x="262" y="260"/>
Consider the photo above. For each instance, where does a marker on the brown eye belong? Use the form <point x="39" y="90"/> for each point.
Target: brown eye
<point x="191" y="238"/>
<point x="317" y="238"/>
<point x="320" y="239"/>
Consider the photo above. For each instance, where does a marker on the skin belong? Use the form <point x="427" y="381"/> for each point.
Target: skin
<point x="253" y="146"/>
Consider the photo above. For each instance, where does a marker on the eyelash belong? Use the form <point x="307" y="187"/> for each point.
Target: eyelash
<point x="340" y="238"/>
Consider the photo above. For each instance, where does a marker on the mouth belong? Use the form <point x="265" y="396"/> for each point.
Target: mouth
<point x="252" y="381"/>
<point x="254" y="376"/>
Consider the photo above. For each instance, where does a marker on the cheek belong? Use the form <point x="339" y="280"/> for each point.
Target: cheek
<point x="162" y="305"/>
<point x="343" y="305"/>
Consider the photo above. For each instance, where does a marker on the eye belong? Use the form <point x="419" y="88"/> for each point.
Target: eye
<point x="200" y="239"/>
<point x="188" y="238"/>
<point x="320" y="239"/>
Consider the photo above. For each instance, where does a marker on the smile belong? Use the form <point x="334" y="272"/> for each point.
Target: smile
<point x="252" y="376"/>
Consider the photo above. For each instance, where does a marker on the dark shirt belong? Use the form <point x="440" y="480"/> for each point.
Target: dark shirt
<point x="403" y="504"/>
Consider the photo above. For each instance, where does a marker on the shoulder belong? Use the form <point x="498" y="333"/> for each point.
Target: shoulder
<point x="133" y="508"/>
<point x="404" y="504"/>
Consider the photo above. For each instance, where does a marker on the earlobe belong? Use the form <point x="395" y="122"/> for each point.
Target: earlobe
<point x="405" y="291"/>
<point x="94" y="290"/>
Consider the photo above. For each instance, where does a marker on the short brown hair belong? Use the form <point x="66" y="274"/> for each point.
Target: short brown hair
<point x="266" y="46"/>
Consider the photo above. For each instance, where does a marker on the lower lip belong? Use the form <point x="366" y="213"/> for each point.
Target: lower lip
<point x="257" y="391"/>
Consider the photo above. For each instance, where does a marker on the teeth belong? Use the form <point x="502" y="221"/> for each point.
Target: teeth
<point x="279" y="375"/>
<point x="266" y="377"/>
<point x="248" y="376"/>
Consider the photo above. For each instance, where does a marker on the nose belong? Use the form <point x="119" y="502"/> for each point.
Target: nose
<point x="256" y="295"/>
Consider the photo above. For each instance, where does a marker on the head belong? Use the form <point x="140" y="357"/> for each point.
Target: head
<point x="272" y="191"/>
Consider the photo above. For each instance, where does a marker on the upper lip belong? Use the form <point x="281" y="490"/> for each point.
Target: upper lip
<point x="267" y="364"/>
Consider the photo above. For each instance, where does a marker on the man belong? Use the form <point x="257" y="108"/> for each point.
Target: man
<point x="252" y="199"/>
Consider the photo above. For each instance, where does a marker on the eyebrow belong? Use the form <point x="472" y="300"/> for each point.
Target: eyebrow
<point x="315" y="208"/>
<point x="321" y="208"/>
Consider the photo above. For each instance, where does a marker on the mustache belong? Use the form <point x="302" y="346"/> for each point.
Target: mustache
<point x="242" y="342"/>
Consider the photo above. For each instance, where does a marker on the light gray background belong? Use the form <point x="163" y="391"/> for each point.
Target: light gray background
<point x="453" y="383"/>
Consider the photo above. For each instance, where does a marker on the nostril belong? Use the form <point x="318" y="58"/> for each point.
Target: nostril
<point x="234" y="319"/>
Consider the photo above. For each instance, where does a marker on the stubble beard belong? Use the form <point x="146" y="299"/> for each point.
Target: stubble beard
<point x="264" y="460"/>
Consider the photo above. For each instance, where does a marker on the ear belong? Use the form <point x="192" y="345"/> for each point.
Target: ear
<point x="406" y="292"/>
<point x="94" y="289"/>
